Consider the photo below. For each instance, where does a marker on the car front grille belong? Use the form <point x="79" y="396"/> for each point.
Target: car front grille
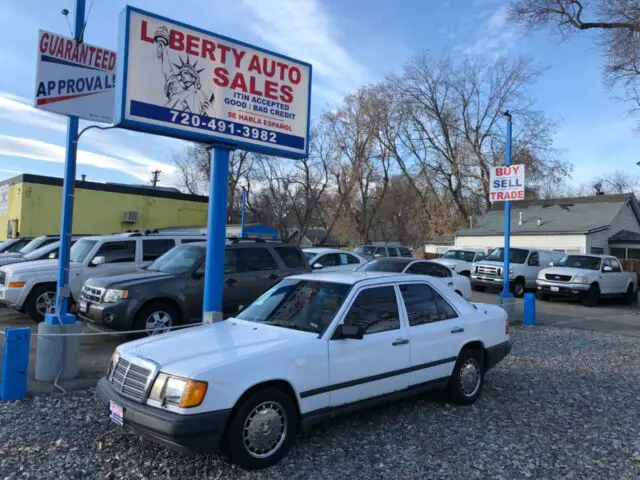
<point x="131" y="380"/>
<point x="2" y="278"/>
<point x="557" y="278"/>
<point x="91" y="294"/>
<point x="489" y="270"/>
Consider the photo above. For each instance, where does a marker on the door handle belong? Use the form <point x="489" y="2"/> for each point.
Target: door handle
<point x="450" y="284"/>
<point x="230" y="281"/>
<point x="457" y="330"/>
<point x="400" y="341"/>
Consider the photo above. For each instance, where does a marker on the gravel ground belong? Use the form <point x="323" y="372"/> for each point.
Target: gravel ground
<point x="563" y="405"/>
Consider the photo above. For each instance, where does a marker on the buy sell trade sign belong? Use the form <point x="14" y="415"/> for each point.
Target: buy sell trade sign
<point x="507" y="183"/>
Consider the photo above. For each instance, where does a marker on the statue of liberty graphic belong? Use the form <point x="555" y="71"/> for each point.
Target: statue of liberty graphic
<point x="182" y="85"/>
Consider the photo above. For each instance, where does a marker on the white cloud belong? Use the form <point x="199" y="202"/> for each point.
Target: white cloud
<point x="305" y="30"/>
<point x="19" y="110"/>
<point x="494" y="35"/>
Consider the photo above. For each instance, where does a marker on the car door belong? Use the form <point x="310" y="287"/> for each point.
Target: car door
<point x="532" y="269"/>
<point x="193" y="291"/>
<point x="377" y="364"/>
<point x="257" y="271"/>
<point x="436" y="332"/>
<point x="619" y="279"/>
<point x="607" y="277"/>
<point x="119" y="257"/>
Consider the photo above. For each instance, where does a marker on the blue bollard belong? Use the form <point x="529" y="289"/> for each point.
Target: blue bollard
<point x="15" y="364"/>
<point x="530" y="309"/>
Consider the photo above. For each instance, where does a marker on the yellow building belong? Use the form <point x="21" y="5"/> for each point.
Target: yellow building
<point x="30" y="205"/>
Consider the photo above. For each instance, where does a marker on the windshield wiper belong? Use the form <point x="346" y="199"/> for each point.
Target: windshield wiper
<point x="292" y="326"/>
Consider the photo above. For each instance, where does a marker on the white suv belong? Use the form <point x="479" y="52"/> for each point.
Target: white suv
<point x="460" y="260"/>
<point x="311" y="347"/>
<point x="30" y="287"/>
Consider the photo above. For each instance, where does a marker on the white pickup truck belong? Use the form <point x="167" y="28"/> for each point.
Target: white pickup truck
<point x="586" y="277"/>
<point x="311" y="347"/>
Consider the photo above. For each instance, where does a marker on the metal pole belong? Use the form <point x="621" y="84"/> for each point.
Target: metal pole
<point x="506" y="293"/>
<point x="62" y="291"/>
<point x="216" y="234"/>
<point x="244" y="205"/>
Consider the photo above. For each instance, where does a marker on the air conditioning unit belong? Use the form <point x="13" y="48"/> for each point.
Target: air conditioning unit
<point x="130" y="217"/>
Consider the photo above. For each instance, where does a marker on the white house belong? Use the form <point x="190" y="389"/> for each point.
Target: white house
<point x="608" y="224"/>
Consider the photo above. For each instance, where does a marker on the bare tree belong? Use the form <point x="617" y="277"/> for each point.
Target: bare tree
<point x="619" y="181"/>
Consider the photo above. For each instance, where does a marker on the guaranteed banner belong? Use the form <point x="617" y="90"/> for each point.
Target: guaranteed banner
<point x="180" y="81"/>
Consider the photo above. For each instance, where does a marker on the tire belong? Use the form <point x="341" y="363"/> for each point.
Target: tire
<point x="464" y="387"/>
<point x="40" y="299"/>
<point x="478" y="288"/>
<point x="518" y="288"/>
<point x="278" y="429"/>
<point x="593" y="296"/>
<point x="630" y="296"/>
<point x="161" y="314"/>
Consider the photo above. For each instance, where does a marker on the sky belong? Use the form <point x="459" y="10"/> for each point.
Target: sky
<point x="349" y="43"/>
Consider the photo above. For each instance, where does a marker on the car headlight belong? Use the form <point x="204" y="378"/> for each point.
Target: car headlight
<point x="452" y="267"/>
<point x="182" y="392"/>
<point x="112" y="295"/>
<point x="510" y="273"/>
<point x="580" y="279"/>
<point x="112" y="364"/>
<point x="540" y="275"/>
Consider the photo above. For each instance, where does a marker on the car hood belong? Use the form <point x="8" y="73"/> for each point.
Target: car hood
<point x="9" y="260"/>
<point x="128" y="280"/>
<point x="489" y="262"/>
<point x="449" y="262"/>
<point x="185" y="352"/>
<point x="572" y="271"/>
<point x="4" y="255"/>
<point x="34" y="266"/>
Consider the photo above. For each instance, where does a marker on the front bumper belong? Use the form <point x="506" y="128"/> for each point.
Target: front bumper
<point x="566" y="290"/>
<point x="199" y="433"/>
<point x="497" y="353"/>
<point x="117" y="315"/>
<point x="487" y="281"/>
<point x="10" y="297"/>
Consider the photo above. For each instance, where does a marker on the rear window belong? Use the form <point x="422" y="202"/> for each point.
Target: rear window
<point x="291" y="257"/>
<point x="152" y="249"/>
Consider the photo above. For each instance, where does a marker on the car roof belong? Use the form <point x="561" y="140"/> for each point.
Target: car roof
<point x="353" y="277"/>
<point x="324" y="250"/>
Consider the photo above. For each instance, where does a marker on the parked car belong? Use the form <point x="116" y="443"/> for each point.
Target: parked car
<point x="30" y="286"/>
<point x="14" y="244"/>
<point x="461" y="259"/>
<point x="451" y="279"/>
<point x="524" y="265"/>
<point x="31" y="245"/>
<point x="49" y="251"/>
<point x="169" y="291"/>
<point x="587" y="278"/>
<point x="311" y="347"/>
<point x="333" y="260"/>
<point x="376" y="251"/>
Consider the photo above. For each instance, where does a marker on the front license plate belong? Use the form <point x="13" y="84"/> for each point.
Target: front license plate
<point x="554" y="289"/>
<point x="116" y="413"/>
<point x="82" y="306"/>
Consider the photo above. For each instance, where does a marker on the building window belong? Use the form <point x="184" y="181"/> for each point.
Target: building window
<point x="633" y="253"/>
<point x="597" y="250"/>
<point x="620" y="253"/>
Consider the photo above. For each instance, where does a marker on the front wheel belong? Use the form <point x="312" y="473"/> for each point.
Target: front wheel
<point x="465" y="385"/>
<point x="40" y="301"/>
<point x="593" y="296"/>
<point x="518" y="288"/>
<point x="156" y="318"/>
<point x="630" y="296"/>
<point x="262" y="429"/>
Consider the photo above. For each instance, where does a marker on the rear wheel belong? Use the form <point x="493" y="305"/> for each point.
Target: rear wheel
<point x="41" y="299"/>
<point x="156" y="318"/>
<point x="465" y="385"/>
<point x="518" y="287"/>
<point x="593" y="296"/>
<point x="630" y="296"/>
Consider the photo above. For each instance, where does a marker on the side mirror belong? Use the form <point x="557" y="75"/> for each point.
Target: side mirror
<point x="53" y="256"/>
<point x="607" y="268"/>
<point x="377" y="255"/>
<point x="98" y="261"/>
<point x="551" y="264"/>
<point x="317" y="266"/>
<point x="352" y="332"/>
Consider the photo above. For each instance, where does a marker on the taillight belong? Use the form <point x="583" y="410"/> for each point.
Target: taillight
<point x="506" y="327"/>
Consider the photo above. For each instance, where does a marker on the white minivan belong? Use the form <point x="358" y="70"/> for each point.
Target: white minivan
<point x="524" y="265"/>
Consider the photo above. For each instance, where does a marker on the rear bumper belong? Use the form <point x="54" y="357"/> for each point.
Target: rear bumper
<point x="199" y="433"/>
<point x="497" y="353"/>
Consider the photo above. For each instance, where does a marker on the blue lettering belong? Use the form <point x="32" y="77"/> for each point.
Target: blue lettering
<point x="51" y="84"/>
<point x="98" y="85"/>
<point x="71" y="86"/>
<point x="61" y="85"/>
<point x="90" y="82"/>
<point x="496" y="184"/>
<point x="80" y="84"/>
<point x="503" y="183"/>
<point x="41" y="90"/>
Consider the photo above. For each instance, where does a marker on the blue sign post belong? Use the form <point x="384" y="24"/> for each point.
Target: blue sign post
<point x="506" y="291"/>
<point x="244" y="206"/>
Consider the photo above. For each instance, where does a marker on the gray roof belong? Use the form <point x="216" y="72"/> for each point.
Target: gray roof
<point x="625" y="236"/>
<point x="557" y="216"/>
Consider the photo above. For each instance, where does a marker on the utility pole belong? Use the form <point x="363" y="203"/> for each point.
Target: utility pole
<point x="155" y="176"/>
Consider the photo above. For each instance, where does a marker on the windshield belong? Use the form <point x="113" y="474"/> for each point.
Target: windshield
<point x="516" y="255"/>
<point x="32" y="245"/>
<point x="384" y="266"/>
<point x="309" y="256"/>
<point x="15" y="247"/>
<point x="459" y="255"/>
<point x="580" y="261"/>
<point x="306" y="305"/>
<point x="81" y="249"/>
<point x="42" y="252"/>
<point x="178" y="260"/>
<point x="365" y="250"/>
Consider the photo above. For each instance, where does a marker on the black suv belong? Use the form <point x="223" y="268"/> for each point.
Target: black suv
<point x="169" y="291"/>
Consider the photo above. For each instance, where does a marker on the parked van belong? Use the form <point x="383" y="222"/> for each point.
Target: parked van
<point x="524" y="265"/>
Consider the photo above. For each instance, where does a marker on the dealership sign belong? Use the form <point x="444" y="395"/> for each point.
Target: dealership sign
<point x="75" y="78"/>
<point x="181" y="81"/>
<point x="507" y="183"/>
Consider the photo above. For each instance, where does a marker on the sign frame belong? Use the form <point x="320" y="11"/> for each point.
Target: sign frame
<point x="121" y="121"/>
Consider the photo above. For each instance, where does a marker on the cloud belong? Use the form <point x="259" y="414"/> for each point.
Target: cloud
<point x="494" y="34"/>
<point x="19" y="110"/>
<point x="305" y="30"/>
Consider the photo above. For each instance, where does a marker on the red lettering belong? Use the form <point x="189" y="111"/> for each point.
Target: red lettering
<point x="254" y="65"/>
<point x="498" y="171"/>
<point x="271" y="90"/>
<point x="67" y="50"/>
<point x="74" y="57"/>
<point x="83" y="53"/>
<point x="144" y="36"/>
<point x="192" y="45"/>
<point x="295" y="75"/>
<point x="112" y="61"/>
<point x="269" y="72"/>
<point x="221" y="76"/>
<point x="520" y="195"/>
<point x="207" y="49"/>
<point x="238" y="56"/>
<point x="252" y="87"/>
<point x="238" y="82"/>
<point x="44" y="42"/>
<point x="493" y="196"/>
<point x="176" y="40"/>
<point x="60" y="50"/>
<point x="283" y="69"/>
<point x="92" y="50"/>
<point x="515" y="169"/>
<point x="98" y="58"/>
<point x="224" y="49"/>
<point x="286" y="94"/>
<point x="105" y="59"/>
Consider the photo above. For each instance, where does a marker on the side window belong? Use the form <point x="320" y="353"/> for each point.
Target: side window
<point x="291" y="257"/>
<point x="255" y="260"/>
<point x="393" y="252"/>
<point x="431" y="269"/>
<point x="445" y="311"/>
<point x="380" y="251"/>
<point x="615" y="265"/>
<point x="479" y="256"/>
<point x="534" y="259"/>
<point x="425" y="305"/>
<point x="351" y="260"/>
<point x="152" y="249"/>
<point x="418" y="269"/>
<point x="375" y="309"/>
<point x="405" y="252"/>
<point x="440" y="270"/>
<point x="230" y="261"/>
<point x="48" y="241"/>
<point x="605" y="263"/>
<point x="193" y="240"/>
<point x="329" y="260"/>
<point x="118" y="252"/>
